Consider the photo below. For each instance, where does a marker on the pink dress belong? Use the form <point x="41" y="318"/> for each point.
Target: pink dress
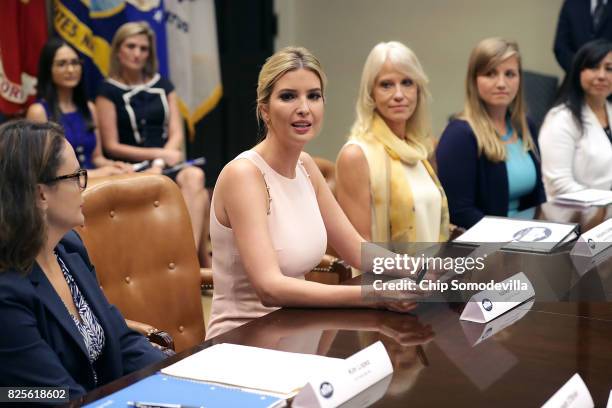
<point x="298" y="236"/>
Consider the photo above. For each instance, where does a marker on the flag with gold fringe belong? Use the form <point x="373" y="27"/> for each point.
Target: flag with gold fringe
<point x="193" y="57"/>
<point x="23" y="32"/>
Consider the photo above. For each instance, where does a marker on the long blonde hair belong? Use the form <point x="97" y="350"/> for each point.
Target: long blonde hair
<point x="488" y="54"/>
<point x="288" y="59"/>
<point x="130" y="30"/>
<point x="418" y="127"/>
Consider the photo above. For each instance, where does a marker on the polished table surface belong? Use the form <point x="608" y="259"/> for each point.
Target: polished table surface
<point x="435" y="356"/>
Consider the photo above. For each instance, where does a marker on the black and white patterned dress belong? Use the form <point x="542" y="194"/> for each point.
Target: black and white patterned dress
<point x="88" y="325"/>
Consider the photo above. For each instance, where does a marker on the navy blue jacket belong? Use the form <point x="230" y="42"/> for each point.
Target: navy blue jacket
<point x="474" y="185"/>
<point x="575" y="28"/>
<point x="41" y="346"/>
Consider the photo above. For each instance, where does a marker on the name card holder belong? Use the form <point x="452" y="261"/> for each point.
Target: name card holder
<point x="361" y="371"/>
<point x="487" y="305"/>
<point x="574" y="394"/>
<point x="594" y="240"/>
<point x="476" y="334"/>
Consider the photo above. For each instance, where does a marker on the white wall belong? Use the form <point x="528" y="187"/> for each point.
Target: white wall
<point x="442" y="33"/>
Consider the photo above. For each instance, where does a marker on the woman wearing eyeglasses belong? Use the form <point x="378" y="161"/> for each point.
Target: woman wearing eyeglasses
<point x="62" y="99"/>
<point x="58" y="329"/>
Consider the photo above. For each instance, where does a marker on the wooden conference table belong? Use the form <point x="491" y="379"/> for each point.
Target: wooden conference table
<point x="435" y="356"/>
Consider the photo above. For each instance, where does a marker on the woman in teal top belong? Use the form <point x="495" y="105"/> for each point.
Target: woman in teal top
<point x="521" y="170"/>
<point x="487" y="160"/>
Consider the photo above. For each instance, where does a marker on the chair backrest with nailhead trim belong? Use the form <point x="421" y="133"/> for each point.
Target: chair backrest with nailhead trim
<point x="139" y="237"/>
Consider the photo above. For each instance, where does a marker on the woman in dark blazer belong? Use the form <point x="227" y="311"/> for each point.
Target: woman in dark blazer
<point x="58" y="329"/>
<point x="487" y="160"/>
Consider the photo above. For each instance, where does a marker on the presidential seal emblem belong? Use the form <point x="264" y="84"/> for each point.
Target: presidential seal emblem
<point x="326" y="390"/>
<point x="487" y="305"/>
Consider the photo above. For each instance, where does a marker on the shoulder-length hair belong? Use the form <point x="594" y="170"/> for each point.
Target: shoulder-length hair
<point x="288" y="59"/>
<point x="418" y="127"/>
<point x="47" y="90"/>
<point x="130" y="30"/>
<point x="487" y="55"/>
<point x="30" y="153"/>
<point x="571" y="93"/>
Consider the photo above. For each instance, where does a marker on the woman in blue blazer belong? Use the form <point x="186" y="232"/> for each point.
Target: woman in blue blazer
<point x="487" y="160"/>
<point x="58" y="329"/>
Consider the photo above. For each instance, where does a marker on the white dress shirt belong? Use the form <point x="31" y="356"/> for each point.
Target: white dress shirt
<point x="573" y="160"/>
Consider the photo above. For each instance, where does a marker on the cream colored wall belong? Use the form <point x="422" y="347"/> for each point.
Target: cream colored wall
<point x="441" y="32"/>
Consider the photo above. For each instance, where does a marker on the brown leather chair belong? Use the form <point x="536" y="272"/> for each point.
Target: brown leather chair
<point x="139" y="237"/>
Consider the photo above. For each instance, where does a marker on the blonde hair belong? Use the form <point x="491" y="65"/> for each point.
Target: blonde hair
<point x="488" y="54"/>
<point x="130" y="30"/>
<point x="288" y="59"/>
<point x="418" y="127"/>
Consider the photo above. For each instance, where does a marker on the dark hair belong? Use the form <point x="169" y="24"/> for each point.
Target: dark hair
<point x="571" y="93"/>
<point x="30" y="153"/>
<point x="46" y="88"/>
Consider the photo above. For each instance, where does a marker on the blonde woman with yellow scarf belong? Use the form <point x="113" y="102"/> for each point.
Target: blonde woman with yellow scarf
<point x="385" y="184"/>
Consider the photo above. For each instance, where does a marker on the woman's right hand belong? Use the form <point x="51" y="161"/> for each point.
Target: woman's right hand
<point x="170" y="156"/>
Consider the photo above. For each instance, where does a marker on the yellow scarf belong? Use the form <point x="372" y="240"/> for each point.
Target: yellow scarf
<point x="392" y="201"/>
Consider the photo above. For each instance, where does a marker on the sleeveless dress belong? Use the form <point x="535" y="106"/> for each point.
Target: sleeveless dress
<point x="79" y="135"/>
<point x="427" y="198"/>
<point x="298" y="236"/>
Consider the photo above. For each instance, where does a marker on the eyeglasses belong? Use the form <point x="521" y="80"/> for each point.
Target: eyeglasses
<point x="64" y="64"/>
<point x="80" y="175"/>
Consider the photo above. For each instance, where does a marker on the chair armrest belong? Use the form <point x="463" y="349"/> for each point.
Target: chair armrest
<point x="330" y="270"/>
<point x="152" y="334"/>
<point x="206" y="278"/>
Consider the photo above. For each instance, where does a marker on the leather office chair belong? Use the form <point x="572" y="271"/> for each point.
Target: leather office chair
<point x="540" y="91"/>
<point x="139" y="237"/>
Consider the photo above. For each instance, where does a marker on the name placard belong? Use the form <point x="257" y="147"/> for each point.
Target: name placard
<point x="361" y="371"/>
<point x="594" y="240"/>
<point x="574" y="394"/>
<point x="609" y="401"/>
<point x="489" y="304"/>
<point x="476" y="333"/>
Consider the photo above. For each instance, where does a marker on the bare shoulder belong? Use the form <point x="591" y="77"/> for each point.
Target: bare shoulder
<point x="36" y="112"/>
<point x="240" y="193"/>
<point x="352" y="159"/>
<point x="239" y="174"/>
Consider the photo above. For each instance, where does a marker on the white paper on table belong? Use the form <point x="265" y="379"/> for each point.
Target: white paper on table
<point x="487" y="305"/>
<point x="279" y="372"/>
<point x="574" y="394"/>
<point x="586" y="197"/>
<point x="609" y="401"/>
<point x="519" y="234"/>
